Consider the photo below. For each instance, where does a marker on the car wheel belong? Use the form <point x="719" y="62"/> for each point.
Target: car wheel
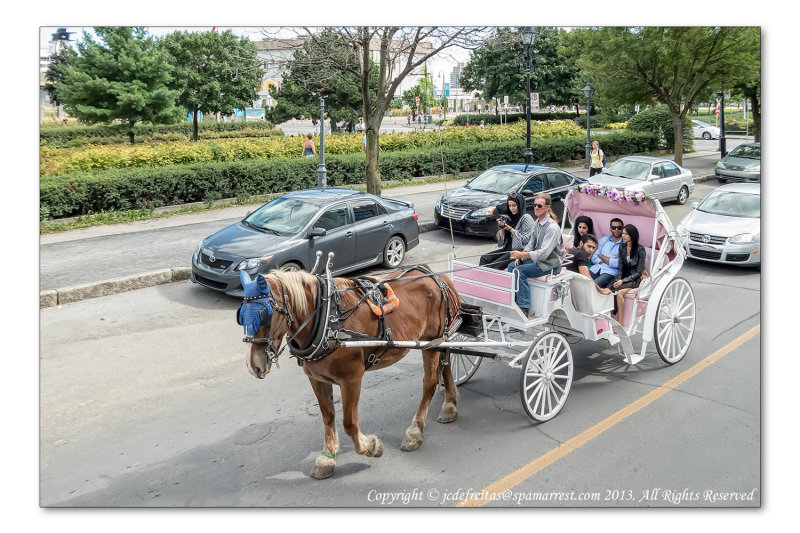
<point x="683" y="195"/>
<point x="722" y="180"/>
<point x="290" y="267"/>
<point x="706" y="135"/>
<point x="394" y="252"/>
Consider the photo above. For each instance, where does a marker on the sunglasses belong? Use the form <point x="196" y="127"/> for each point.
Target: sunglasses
<point x="540" y="206"/>
<point x="616" y="227"/>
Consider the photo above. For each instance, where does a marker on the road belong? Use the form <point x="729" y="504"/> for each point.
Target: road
<point x="145" y="401"/>
<point x="94" y="254"/>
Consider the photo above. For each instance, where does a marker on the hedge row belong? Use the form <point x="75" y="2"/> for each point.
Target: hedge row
<point x="491" y="118"/>
<point x="58" y="135"/>
<point x="135" y="188"/>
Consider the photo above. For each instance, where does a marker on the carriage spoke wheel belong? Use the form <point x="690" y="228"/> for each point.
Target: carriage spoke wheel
<point x="546" y="377"/>
<point x="462" y="365"/>
<point x="675" y="321"/>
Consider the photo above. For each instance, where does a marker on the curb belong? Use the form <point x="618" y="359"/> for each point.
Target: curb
<point x="55" y="297"/>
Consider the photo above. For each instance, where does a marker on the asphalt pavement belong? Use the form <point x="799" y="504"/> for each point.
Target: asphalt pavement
<point x="71" y="269"/>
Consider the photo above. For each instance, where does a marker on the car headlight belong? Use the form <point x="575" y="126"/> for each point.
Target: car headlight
<point x="200" y="245"/>
<point x="756" y="168"/>
<point x="742" y="237"/>
<point x="682" y="231"/>
<point x="252" y="262"/>
<point x="484" y="212"/>
<point x="720" y="164"/>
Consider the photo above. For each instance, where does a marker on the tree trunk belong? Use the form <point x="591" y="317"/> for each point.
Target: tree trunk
<point x="195" y="124"/>
<point x="130" y="135"/>
<point x="372" y="169"/>
<point x="755" y="108"/>
<point x="677" y="127"/>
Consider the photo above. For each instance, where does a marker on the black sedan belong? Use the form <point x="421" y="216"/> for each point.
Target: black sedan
<point x="473" y="208"/>
<point x="361" y="229"/>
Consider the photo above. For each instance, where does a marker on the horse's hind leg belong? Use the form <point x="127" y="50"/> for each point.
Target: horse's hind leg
<point x="325" y="463"/>
<point x="413" y="438"/>
<point x="449" y="411"/>
<point x="369" y="445"/>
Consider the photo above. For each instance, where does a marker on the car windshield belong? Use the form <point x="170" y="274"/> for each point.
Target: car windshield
<point x="747" y="151"/>
<point x="498" y="181"/>
<point x="625" y="168"/>
<point x="703" y="124"/>
<point x="732" y="204"/>
<point x="282" y="215"/>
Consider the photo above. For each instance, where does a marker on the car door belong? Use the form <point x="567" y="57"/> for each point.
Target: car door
<point x="339" y="236"/>
<point x="671" y="180"/>
<point x="656" y="183"/>
<point x="531" y="187"/>
<point x="558" y="185"/>
<point x="372" y="228"/>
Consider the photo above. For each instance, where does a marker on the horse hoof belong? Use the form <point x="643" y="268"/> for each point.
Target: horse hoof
<point x="375" y="447"/>
<point x="323" y="468"/>
<point x="448" y="414"/>
<point x="412" y="440"/>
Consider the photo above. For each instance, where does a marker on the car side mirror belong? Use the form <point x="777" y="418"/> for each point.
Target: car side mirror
<point x="317" y="232"/>
<point x="527" y="193"/>
<point x="694" y="205"/>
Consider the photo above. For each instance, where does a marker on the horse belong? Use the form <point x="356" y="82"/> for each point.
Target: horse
<point x="293" y="309"/>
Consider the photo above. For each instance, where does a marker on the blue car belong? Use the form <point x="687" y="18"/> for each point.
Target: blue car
<point x="361" y="229"/>
<point x="473" y="208"/>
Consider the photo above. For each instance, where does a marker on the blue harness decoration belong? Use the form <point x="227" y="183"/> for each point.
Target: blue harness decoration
<point x="257" y="305"/>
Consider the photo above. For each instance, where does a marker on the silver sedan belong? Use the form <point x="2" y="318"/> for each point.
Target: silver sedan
<point x="726" y="226"/>
<point x="660" y="178"/>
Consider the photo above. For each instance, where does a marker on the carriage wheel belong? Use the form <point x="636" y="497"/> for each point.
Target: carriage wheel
<point x="675" y="320"/>
<point x="463" y="366"/>
<point x="546" y="377"/>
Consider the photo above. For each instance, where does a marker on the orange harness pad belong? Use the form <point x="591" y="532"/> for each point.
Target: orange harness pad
<point x="391" y="301"/>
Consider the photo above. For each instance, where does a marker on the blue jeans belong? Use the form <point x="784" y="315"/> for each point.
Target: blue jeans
<point x="527" y="269"/>
<point x="603" y="279"/>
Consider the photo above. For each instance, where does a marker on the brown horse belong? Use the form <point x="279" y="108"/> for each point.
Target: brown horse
<point x="421" y="315"/>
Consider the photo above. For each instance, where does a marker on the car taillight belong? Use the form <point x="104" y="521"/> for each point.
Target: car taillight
<point x="415" y="217"/>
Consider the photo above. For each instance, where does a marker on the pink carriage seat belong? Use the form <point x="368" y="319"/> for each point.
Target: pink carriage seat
<point x="485" y="283"/>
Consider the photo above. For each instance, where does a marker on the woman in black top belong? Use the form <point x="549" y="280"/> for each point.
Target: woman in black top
<point x="632" y="258"/>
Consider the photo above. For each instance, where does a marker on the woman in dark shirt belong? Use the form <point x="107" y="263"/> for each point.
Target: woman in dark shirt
<point x="632" y="257"/>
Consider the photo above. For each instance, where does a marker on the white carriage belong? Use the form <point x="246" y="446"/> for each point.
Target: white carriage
<point x="661" y="310"/>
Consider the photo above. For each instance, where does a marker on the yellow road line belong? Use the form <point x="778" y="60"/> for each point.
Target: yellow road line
<point x="517" y="477"/>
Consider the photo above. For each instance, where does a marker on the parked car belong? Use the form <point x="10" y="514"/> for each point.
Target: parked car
<point x="660" y="178"/>
<point x="361" y="229"/>
<point x="473" y="209"/>
<point x="726" y="226"/>
<point x="743" y="163"/>
<point x="704" y="130"/>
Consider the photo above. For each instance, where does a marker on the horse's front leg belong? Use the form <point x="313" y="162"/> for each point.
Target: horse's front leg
<point x="325" y="463"/>
<point x="369" y="445"/>
<point x="413" y="438"/>
<point x="449" y="410"/>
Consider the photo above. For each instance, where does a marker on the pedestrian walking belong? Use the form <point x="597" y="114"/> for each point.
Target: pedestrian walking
<point x="597" y="159"/>
<point x="408" y="117"/>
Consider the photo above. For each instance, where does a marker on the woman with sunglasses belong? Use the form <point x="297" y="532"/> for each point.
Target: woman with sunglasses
<point x="543" y="253"/>
<point x="632" y="257"/>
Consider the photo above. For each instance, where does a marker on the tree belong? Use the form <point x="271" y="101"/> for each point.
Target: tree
<point x="123" y="77"/>
<point x="212" y="72"/>
<point x="308" y="78"/>
<point x="391" y="53"/>
<point x="56" y="71"/>
<point x="674" y="65"/>
<point x="494" y="68"/>
<point x="422" y="90"/>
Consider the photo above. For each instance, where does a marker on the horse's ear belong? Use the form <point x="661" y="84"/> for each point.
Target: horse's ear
<point x="261" y="283"/>
<point x="245" y="278"/>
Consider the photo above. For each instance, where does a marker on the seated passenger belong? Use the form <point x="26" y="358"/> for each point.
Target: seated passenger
<point x="606" y="259"/>
<point x="543" y="253"/>
<point x="515" y="231"/>
<point x="581" y="259"/>
<point x="583" y="225"/>
<point x="632" y="257"/>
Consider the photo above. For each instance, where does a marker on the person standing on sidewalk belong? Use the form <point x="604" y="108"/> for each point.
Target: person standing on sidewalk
<point x="308" y="147"/>
<point x="597" y="159"/>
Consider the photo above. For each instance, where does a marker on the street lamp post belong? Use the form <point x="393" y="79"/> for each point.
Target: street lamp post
<point x="588" y="92"/>
<point x="528" y="64"/>
<point x="722" y="151"/>
<point x="322" y="173"/>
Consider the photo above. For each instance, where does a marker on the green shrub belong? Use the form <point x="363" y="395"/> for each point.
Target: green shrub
<point x="136" y="188"/>
<point x="658" y="120"/>
<point x="492" y="118"/>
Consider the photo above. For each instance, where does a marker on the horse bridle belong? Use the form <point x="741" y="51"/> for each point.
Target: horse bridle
<point x="271" y="351"/>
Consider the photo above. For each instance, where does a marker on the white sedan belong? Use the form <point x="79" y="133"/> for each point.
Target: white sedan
<point x="660" y="178"/>
<point x="704" y="130"/>
<point x="726" y="226"/>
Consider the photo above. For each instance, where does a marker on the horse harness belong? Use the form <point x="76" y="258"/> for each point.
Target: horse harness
<point x="329" y="318"/>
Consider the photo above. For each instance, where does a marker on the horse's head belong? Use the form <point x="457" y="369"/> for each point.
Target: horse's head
<point x="261" y="319"/>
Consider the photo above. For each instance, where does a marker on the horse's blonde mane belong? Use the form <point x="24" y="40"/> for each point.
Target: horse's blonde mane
<point x="295" y="283"/>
